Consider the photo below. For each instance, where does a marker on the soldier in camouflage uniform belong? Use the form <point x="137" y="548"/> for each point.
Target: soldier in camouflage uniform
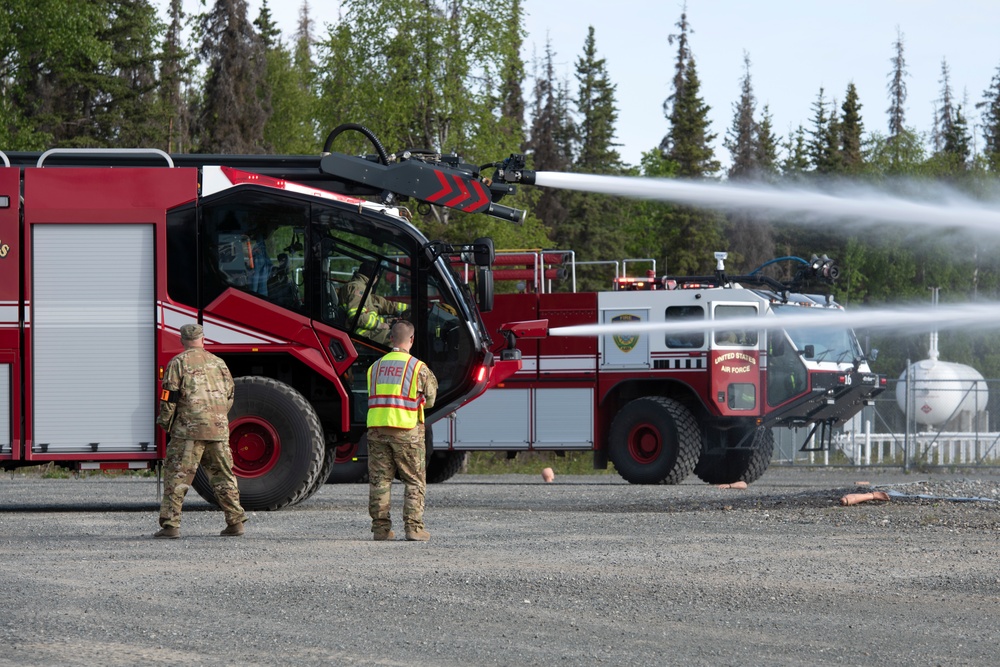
<point x="399" y="388"/>
<point x="375" y="310"/>
<point x="194" y="406"/>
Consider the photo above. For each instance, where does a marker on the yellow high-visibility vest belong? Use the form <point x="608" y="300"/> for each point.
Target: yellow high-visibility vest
<point x="392" y="391"/>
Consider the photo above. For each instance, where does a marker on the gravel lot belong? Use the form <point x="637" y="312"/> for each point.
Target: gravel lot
<point x="586" y="570"/>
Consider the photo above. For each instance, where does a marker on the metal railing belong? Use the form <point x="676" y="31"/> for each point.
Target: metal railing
<point x="934" y="424"/>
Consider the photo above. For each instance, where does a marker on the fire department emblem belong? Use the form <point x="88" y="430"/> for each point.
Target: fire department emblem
<point x="626" y="343"/>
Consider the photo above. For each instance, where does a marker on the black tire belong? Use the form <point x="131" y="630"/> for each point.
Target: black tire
<point x="654" y="440"/>
<point x="346" y="471"/>
<point x="443" y="465"/>
<point x="277" y="442"/>
<point x="329" y="459"/>
<point x="722" y="464"/>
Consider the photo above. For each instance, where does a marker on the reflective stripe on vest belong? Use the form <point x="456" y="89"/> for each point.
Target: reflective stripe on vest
<point x="392" y="391"/>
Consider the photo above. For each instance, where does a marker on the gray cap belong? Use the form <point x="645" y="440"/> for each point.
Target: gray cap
<point x="191" y="332"/>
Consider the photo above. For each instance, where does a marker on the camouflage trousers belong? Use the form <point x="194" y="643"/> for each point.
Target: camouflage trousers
<point x="391" y="452"/>
<point x="179" y="468"/>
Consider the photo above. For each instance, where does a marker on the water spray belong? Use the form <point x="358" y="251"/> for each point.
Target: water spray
<point x="964" y="316"/>
<point x="802" y="203"/>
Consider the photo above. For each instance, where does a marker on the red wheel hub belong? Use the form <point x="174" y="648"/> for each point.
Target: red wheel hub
<point x="644" y="443"/>
<point x="346" y="452"/>
<point x="255" y="446"/>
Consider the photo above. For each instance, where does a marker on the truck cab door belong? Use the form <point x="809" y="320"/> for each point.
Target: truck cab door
<point x="734" y="362"/>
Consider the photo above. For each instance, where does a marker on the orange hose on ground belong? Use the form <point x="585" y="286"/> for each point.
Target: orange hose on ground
<point x="857" y="498"/>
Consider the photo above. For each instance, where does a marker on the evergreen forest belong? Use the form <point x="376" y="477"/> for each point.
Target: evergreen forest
<point x="449" y="76"/>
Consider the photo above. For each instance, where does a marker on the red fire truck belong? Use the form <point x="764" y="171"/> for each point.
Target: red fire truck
<point x="663" y="404"/>
<point x="104" y="254"/>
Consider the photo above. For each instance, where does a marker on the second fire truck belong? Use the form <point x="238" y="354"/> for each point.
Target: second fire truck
<point x="661" y="404"/>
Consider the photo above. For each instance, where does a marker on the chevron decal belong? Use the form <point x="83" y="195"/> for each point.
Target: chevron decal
<point x="457" y="190"/>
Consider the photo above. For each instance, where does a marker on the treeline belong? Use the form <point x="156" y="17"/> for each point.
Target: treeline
<point x="448" y="75"/>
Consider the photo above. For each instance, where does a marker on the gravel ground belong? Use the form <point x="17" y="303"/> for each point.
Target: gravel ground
<point x="586" y="570"/>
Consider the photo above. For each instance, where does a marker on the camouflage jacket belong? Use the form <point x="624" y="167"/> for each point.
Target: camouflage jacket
<point x="199" y="391"/>
<point x="375" y="309"/>
<point x="427" y="385"/>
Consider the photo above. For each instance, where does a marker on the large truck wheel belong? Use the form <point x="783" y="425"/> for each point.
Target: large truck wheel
<point x="443" y="465"/>
<point x="329" y="458"/>
<point x="277" y="444"/>
<point x="722" y="464"/>
<point x="346" y="471"/>
<point x="654" y="440"/>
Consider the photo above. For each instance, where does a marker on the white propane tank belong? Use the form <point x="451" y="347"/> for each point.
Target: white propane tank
<point x="941" y="390"/>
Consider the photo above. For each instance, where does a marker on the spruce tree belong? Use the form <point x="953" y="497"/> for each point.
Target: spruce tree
<point x="956" y="143"/>
<point x="944" y="110"/>
<point x="589" y="229"/>
<point x="851" y="129"/>
<point x="512" y="74"/>
<point x="688" y="142"/>
<point x="750" y="238"/>
<point x="237" y="101"/>
<point x="902" y="151"/>
<point x="290" y="128"/>
<point x="824" y="143"/>
<point x="127" y="110"/>
<point x="740" y="138"/>
<point x="897" y="89"/>
<point x="595" y="105"/>
<point x="175" y="75"/>
<point x="690" y="136"/>
<point x="952" y="143"/>
<point x="766" y="147"/>
<point x="551" y="141"/>
<point x="991" y="122"/>
<point x="796" y="163"/>
<point x="680" y="69"/>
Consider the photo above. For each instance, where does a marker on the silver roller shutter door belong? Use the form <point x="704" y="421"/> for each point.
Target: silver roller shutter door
<point x="5" y="417"/>
<point x="93" y="337"/>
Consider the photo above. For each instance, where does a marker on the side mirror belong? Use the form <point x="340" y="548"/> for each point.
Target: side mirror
<point x="484" y="289"/>
<point x="809" y="352"/>
<point x="484" y="252"/>
<point x="873" y="355"/>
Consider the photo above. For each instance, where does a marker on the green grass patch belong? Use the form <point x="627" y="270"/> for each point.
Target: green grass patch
<point x="532" y="463"/>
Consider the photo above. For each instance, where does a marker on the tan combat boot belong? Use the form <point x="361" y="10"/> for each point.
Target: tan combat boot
<point x="420" y="535"/>
<point x="383" y="535"/>
<point x="233" y="530"/>
<point x="167" y="533"/>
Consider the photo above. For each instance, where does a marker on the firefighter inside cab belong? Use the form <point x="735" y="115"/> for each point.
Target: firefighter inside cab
<point x="374" y="313"/>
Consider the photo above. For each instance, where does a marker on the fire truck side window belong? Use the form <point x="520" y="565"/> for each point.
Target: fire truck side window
<point x="690" y="340"/>
<point x="182" y="251"/>
<point x="256" y="244"/>
<point x="742" y="337"/>
<point x="786" y="374"/>
<point x="357" y="258"/>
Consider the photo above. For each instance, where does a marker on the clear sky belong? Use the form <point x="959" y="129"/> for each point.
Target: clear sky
<point x="795" y="47"/>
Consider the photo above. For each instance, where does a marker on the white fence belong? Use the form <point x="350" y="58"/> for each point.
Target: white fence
<point x="884" y="435"/>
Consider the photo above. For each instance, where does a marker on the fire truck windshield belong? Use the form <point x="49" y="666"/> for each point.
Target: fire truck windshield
<point x="824" y="342"/>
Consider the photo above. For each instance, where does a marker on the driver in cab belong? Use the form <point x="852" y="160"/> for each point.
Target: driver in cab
<point x="377" y="312"/>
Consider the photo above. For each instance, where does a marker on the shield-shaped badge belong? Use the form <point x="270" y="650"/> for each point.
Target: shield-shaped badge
<point x="626" y="343"/>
